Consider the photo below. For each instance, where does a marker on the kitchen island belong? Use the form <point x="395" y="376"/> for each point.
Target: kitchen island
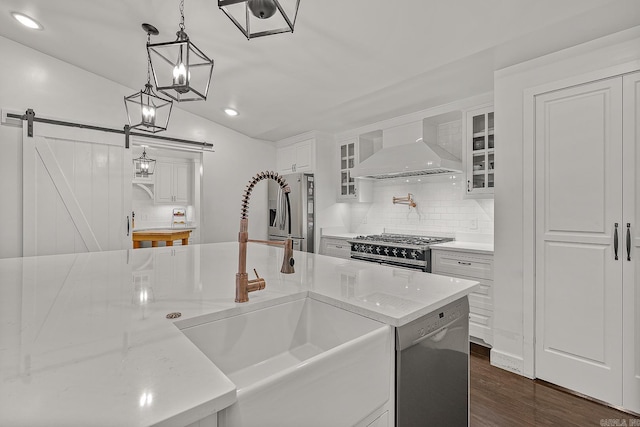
<point x="85" y="338"/>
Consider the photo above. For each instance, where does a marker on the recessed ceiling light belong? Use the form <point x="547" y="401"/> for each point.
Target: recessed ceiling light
<point x="231" y="112"/>
<point x="27" y="21"/>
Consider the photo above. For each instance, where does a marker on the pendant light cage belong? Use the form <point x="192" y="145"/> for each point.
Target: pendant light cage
<point x="180" y="70"/>
<point x="259" y="18"/>
<point x="146" y="110"/>
<point x="143" y="165"/>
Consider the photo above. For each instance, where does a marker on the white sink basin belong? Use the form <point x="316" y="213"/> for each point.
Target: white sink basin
<point x="301" y="363"/>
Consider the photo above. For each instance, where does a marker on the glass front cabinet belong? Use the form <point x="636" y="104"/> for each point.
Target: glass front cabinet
<point x="347" y="162"/>
<point x="351" y="152"/>
<point x="480" y="149"/>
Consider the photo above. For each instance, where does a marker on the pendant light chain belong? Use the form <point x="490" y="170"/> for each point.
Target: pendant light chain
<point x="182" y="15"/>
<point x="148" y="61"/>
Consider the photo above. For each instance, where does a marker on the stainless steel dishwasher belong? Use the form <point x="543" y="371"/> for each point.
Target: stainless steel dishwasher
<point x="432" y="368"/>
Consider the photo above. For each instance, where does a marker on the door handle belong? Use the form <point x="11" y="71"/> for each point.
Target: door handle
<point x="128" y="225"/>
<point x="615" y="241"/>
<point x="628" y="241"/>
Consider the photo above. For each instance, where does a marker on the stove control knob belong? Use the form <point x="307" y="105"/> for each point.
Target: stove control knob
<point x="395" y="252"/>
<point x="404" y="253"/>
<point x="378" y="250"/>
<point x="414" y="254"/>
<point x="356" y="247"/>
<point x="370" y="249"/>
<point x="386" y="251"/>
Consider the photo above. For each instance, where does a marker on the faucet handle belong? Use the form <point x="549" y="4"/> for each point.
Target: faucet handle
<point x="256" y="273"/>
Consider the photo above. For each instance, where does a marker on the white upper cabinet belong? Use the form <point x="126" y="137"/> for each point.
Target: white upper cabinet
<point x="172" y="182"/>
<point x="480" y="149"/>
<point x="351" y="152"/>
<point x="298" y="157"/>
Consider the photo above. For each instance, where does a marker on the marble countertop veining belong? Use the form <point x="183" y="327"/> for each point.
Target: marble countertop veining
<point x="84" y="338"/>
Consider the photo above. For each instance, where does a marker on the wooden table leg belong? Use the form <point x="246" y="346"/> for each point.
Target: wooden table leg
<point x="154" y="243"/>
<point x="169" y="243"/>
<point x="136" y="244"/>
<point x="185" y="242"/>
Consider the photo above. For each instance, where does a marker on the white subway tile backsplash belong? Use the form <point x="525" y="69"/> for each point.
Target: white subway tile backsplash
<point x="441" y="209"/>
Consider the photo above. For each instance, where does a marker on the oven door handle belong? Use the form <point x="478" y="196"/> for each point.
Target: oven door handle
<point x="404" y="267"/>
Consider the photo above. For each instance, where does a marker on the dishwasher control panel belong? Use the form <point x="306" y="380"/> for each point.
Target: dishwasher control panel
<point x="421" y="328"/>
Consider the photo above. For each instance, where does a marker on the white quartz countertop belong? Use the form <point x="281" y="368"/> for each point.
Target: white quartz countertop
<point x="341" y="235"/>
<point x="84" y="338"/>
<point x="481" y="248"/>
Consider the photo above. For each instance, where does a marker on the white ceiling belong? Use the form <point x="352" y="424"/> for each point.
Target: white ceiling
<point x="349" y="62"/>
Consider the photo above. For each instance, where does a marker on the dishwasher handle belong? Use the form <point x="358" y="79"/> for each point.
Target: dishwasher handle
<point x="615" y="241"/>
<point x="628" y="241"/>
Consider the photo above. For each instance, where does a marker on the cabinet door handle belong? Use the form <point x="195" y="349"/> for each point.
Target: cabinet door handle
<point x="628" y="241"/>
<point x="338" y="247"/>
<point x="468" y="186"/>
<point x="615" y="241"/>
<point x="464" y="263"/>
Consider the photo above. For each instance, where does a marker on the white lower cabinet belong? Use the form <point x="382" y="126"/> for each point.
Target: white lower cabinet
<point x="335" y="247"/>
<point x="472" y="266"/>
<point x="210" y="421"/>
<point x="381" y="421"/>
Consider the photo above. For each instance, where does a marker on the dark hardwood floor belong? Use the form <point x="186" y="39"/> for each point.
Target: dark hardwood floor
<point x="501" y="398"/>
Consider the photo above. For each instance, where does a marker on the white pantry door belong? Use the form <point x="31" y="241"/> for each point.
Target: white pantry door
<point x="631" y="269"/>
<point x="578" y="137"/>
<point x="76" y="191"/>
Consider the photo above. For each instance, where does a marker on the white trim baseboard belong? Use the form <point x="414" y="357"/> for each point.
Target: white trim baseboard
<point x="507" y="361"/>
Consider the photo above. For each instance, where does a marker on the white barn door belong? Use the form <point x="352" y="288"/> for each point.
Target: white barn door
<point x="578" y="206"/>
<point x="76" y="191"/>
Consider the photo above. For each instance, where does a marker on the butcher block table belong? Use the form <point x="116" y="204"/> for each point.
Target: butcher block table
<point x="155" y="236"/>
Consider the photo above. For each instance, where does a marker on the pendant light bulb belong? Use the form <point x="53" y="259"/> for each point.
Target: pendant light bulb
<point x="179" y="74"/>
<point x="149" y="115"/>
<point x="262" y="9"/>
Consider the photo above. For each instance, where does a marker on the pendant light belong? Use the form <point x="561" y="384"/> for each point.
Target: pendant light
<point x="146" y="110"/>
<point x="144" y="166"/>
<point x="258" y="18"/>
<point x="180" y="70"/>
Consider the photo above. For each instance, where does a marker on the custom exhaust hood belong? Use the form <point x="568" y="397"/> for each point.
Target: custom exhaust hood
<point x="399" y="159"/>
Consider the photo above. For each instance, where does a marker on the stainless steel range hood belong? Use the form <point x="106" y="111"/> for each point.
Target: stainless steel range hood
<point x="399" y="159"/>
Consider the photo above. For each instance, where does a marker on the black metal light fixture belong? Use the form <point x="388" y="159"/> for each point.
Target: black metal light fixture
<point x="146" y="110"/>
<point x="258" y="18"/>
<point x="144" y="166"/>
<point x="180" y="70"/>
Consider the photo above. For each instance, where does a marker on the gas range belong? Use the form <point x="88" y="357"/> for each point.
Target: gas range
<point x="399" y="250"/>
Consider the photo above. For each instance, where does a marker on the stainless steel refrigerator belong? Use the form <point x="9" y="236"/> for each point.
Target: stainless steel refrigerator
<point x="301" y="199"/>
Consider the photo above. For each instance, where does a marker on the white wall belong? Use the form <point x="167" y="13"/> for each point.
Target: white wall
<point x="441" y="209"/>
<point x="513" y="327"/>
<point x="55" y="89"/>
